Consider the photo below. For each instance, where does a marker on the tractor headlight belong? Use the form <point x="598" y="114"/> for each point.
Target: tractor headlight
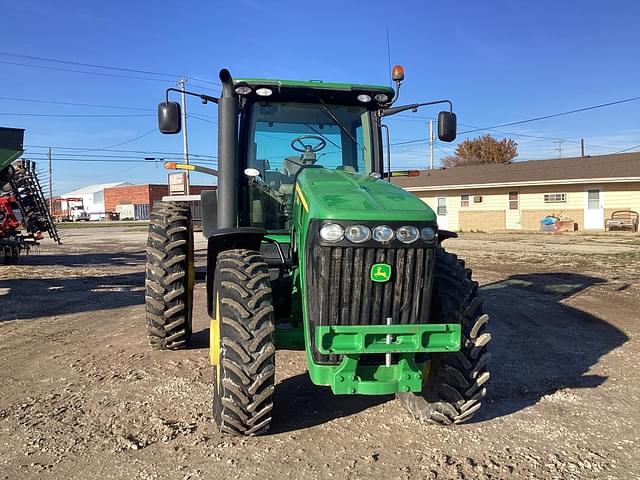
<point x="383" y="233"/>
<point x="428" y="234"/>
<point x="264" y="91"/>
<point x="407" y="234"/>
<point x="357" y="233"/>
<point x="381" y="98"/>
<point x="364" y="98"/>
<point x="332" y="232"/>
<point x="243" y="89"/>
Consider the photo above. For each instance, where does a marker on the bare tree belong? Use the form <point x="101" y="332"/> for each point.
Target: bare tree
<point x="482" y="150"/>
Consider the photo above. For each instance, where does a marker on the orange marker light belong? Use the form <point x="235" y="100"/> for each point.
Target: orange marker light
<point x="405" y="173"/>
<point x="397" y="74"/>
<point x="170" y="165"/>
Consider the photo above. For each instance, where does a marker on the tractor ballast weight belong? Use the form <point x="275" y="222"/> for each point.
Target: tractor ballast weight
<point x="311" y="247"/>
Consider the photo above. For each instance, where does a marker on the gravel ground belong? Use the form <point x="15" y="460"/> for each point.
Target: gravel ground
<point x="83" y="396"/>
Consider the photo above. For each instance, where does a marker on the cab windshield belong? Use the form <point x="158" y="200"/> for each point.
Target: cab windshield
<point x="285" y="136"/>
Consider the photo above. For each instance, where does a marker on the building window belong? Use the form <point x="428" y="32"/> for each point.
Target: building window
<point x="513" y="200"/>
<point x="555" y="197"/>
<point x="442" y="206"/>
<point x="464" y="200"/>
<point x="593" y="199"/>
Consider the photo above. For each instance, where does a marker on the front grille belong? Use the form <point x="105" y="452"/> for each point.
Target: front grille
<point x="340" y="291"/>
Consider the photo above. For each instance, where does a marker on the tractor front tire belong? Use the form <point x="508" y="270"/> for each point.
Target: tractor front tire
<point x="454" y="383"/>
<point x="243" y="348"/>
<point x="170" y="276"/>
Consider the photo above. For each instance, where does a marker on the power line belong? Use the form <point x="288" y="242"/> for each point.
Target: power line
<point x="106" y="67"/>
<point x="511" y="134"/>
<point x="554" y="115"/>
<point x="198" y="117"/>
<point x="102" y="148"/>
<point x="627" y="149"/>
<point x="204" y="118"/>
<point x="78" y="115"/>
<point x="101" y="160"/>
<point x="502" y="132"/>
<point x="94" y="105"/>
<point x="125" y="142"/>
<point x="142" y="152"/>
<point x="535" y="119"/>
<point x="100" y="74"/>
<point x="84" y="155"/>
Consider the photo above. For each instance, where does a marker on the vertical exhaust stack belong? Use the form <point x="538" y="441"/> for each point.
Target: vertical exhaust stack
<point x="227" y="154"/>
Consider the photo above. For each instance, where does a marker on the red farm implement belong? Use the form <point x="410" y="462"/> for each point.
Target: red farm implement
<point x="24" y="215"/>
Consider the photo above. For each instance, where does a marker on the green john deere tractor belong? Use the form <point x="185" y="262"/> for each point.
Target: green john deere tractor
<point x="310" y="247"/>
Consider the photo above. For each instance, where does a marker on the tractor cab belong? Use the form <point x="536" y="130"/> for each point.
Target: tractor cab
<point x="286" y="127"/>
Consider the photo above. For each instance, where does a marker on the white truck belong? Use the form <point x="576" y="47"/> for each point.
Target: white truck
<point x="70" y="210"/>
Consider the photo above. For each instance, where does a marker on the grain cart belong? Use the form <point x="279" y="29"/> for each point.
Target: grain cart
<point x="24" y="215"/>
<point x="311" y="247"/>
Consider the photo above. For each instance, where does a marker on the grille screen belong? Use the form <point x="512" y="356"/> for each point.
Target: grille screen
<point x="340" y="290"/>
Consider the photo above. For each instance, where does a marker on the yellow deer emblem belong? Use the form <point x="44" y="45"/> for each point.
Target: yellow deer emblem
<point x="380" y="272"/>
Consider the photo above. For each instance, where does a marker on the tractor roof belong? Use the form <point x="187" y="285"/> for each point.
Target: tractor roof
<point x="302" y="90"/>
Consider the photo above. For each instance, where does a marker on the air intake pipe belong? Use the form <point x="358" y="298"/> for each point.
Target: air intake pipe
<point x="227" y="154"/>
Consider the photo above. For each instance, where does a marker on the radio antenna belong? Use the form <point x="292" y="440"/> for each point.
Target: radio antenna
<point x="389" y="58"/>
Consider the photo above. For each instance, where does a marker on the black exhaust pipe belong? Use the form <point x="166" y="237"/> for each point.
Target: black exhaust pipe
<point x="227" y="153"/>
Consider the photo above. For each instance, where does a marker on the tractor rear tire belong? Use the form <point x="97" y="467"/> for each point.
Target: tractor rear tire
<point x="454" y="383"/>
<point x="170" y="276"/>
<point x="243" y="348"/>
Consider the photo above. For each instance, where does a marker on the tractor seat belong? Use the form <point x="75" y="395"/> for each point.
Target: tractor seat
<point x="291" y="165"/>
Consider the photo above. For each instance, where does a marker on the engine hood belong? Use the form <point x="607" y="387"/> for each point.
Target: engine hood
<point x="341" y="195"/>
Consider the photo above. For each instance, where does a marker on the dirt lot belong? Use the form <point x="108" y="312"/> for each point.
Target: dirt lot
<point x="83" y="396"/>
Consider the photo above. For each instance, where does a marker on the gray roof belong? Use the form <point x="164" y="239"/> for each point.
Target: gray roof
<point x="617" y="166"/>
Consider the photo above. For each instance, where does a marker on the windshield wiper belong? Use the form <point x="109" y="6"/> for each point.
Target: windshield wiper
<point x="320" y="133"/>
<point x="338" y="122"/>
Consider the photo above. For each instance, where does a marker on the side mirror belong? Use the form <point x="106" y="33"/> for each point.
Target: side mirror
<point x="169" y="117"/>
<point x="447" y="126"/>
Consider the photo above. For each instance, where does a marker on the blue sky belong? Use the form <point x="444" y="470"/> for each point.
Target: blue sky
<point x="499" y="61"/>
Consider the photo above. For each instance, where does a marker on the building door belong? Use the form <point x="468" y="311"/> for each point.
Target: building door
<point x="441" y="212"/>
<point x="594" y="209"/>
<point x="512" y="220"/>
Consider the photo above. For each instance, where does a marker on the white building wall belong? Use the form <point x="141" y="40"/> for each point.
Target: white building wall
<point x="93" y="198"/>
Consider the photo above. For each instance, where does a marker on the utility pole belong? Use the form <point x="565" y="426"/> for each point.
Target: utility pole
<point x="582" y="147"/>
<point x="185" y="145"/>
<point x="431" y="141"/>
<point x="50" y="184"/>
<point x="559" y="149"/>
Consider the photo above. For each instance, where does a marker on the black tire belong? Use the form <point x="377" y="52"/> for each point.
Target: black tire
<point x="170" y="276"/>
<point x="455" y="383"/>
<point x="5" y="177"/>
<point x="243" y="379"/>
<point x="11" y="254"/>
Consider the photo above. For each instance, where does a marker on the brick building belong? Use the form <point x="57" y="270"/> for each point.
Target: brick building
<point x="517" y="196"/>
<point x="136" y="201"/>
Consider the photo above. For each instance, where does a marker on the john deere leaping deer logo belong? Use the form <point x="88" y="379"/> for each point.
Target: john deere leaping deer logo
<point x="380" y="272"/>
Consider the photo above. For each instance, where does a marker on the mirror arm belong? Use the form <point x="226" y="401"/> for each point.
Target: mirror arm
<point x="414" y="106"/>
<point x="202" y="96"/>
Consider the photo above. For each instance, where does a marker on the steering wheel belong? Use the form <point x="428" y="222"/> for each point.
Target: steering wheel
<point x="306" y="147"/>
